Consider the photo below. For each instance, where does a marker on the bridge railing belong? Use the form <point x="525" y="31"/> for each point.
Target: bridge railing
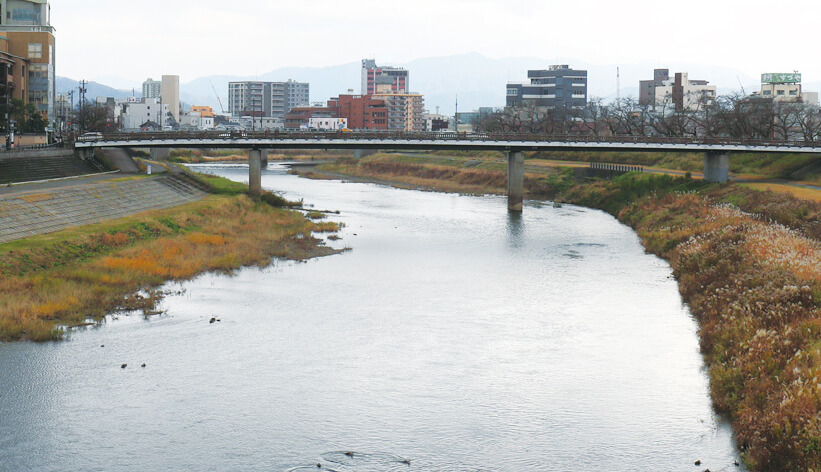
<point x="274" y="135"/>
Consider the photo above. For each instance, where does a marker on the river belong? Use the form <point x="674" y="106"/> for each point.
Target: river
<point x="452" y="337"/>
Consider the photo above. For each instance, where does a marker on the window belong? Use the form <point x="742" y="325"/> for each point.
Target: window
<point x="780" y="92"/>
<point x="35" y="51"/>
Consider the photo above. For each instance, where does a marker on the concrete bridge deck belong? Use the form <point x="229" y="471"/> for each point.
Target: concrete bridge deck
<point x="717" y="151"/>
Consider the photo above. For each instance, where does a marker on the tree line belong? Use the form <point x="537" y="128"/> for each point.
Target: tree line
<point x="733" y="116"/>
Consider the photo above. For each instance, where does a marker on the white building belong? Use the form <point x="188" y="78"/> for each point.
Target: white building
<point x="195" y="121"/>
<point x="678" y="92"/>
<point x="132" y="115"/>
<point x="259" y="123"/>
<point x="328" y="123"/>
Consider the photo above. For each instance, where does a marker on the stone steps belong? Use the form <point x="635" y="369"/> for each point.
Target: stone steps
<point x="28" y="215"/>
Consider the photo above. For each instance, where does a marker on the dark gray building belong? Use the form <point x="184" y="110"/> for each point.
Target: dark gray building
<point x="647" y="88"/>
<point x="557" y="87"/>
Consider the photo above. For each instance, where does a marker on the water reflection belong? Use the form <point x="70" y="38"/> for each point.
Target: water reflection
<point x="515" y="228"/>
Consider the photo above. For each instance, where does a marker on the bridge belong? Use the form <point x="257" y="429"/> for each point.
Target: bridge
<point x="717" y="151"/>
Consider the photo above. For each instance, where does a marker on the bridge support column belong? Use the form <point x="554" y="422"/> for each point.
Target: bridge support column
<point x="86" y="154"/>
<point x="160" y="154"/>
<point x="716" y="167"/>
<point x="255" y="173"/>
<point x="360" y="153"/>
<point x="264" y="159"/>
<point x="515" y="180"/>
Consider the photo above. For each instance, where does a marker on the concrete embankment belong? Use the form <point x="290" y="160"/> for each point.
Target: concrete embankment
<point x="36" y="165"/>
<point x="40" y="212"/>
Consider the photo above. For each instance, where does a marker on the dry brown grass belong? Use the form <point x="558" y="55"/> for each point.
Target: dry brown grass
<point x="64" y="283"/>
<point x="798" y="192"/>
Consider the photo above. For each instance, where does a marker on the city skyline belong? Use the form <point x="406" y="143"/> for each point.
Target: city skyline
<point x="198" y="39"/>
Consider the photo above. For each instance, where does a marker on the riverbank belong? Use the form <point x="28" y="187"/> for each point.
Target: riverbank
<point x="80" y="275"/>
<point x="748" y="263"/>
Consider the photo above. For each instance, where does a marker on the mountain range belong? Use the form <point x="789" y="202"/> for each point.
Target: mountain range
<point x="477" y="80"/>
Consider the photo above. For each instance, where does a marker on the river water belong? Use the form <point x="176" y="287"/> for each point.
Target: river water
<point x="452" y="336"/>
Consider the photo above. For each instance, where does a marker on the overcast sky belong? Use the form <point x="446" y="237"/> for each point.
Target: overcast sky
<point x="196" y="38"/>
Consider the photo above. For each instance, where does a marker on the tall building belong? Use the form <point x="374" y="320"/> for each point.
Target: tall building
<point x="171" y="94"/>
<point x="679" y="91"/>
<point x="27" y="48"/>
<point x="152" y="88"/>
<point x="269" y="99"/>
<point x="557" y="87"/>
<point x="406" y="111"/>
<point x="383" y="79"/>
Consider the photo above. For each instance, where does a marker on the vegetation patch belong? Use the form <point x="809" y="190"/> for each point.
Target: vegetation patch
<point x="65" y="279"/>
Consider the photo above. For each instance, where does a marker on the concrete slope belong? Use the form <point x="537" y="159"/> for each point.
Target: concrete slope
<point x="30" y="214"/>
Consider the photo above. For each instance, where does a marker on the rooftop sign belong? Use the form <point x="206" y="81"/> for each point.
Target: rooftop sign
<point x="791" y="78"/>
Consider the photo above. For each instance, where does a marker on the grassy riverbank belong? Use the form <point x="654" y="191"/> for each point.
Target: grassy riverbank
<point x="82" y="274"/>
<point x="747" y="262"/>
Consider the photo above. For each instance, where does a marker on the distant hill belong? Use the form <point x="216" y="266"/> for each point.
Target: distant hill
<point x="94" y="90"/>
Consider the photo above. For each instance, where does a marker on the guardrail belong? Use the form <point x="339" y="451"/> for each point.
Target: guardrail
<point x="429" y="136"/>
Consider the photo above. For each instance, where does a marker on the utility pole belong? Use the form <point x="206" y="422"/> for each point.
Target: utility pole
<point x="82" y="114"/>
<point x="456" y="115"/>
<point x="618" y="84"/>
<point x="70" y="110"/>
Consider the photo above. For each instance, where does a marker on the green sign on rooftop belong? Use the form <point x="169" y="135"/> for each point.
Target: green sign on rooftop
<point x="791" y="78"/>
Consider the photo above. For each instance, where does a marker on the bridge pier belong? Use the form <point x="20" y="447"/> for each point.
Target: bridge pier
<point x="515" y="180"/>
<point x="160" y="154"/>
<point x="255" y="173"/>
<point x="716" y="167"/>
<point x="360" y="153"/>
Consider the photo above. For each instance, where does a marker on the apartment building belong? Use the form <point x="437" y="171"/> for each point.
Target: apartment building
<point x="406" y="111"/>
<point x="377" y="79"/>
<point x="27" y="48"/>
<point x="679" y="92"/>
<point x="152" y="88"/>
<point x="268" y="99"/>
<point x="556" y="87"/>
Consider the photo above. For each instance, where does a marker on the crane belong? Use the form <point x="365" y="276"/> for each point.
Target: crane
<point x="218" y="97"/>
